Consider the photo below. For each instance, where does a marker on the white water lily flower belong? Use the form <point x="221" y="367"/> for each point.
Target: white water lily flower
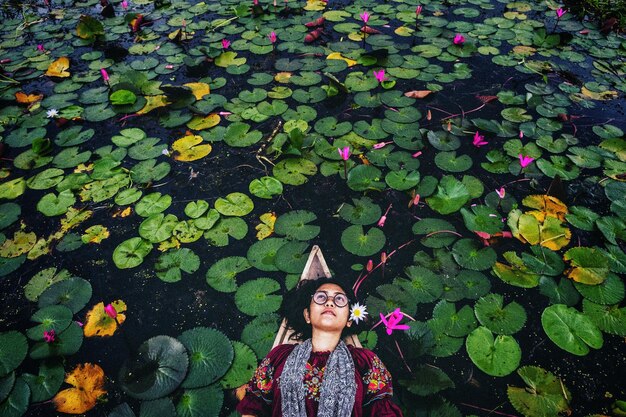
<point x="52" y="113"/>
<point x="358" y="312"/>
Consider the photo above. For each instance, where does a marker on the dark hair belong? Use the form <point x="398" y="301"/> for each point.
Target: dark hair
<point x="299" y="298"/>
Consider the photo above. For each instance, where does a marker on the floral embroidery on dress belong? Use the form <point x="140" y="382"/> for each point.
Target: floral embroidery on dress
<point x="261" y="383"/>
<point x="377" y="378"/>
<point x="313" y="378"/>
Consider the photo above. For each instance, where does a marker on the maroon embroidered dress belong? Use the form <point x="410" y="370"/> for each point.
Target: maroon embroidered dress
<point x="373" y="385"/>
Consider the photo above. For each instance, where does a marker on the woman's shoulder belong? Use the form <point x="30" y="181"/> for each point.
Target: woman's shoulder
<point x="363" y="358"/>
<point x="280" y="352"/>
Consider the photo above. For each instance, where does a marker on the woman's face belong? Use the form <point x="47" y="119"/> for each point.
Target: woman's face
<point x="328" y="317"/>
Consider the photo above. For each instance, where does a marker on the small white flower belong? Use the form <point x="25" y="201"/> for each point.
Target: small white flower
<point x="358" y="312"/>
<point x="165" y="152"/>
<point x="52" y="113"/>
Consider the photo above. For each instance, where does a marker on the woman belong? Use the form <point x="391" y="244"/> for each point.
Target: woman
<point x="321" y="376"/>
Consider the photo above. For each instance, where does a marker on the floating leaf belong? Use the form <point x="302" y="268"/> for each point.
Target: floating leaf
<point x="500" y="319"/>
<point x="517" y="273"/>
<point x="157" y="370"/>
<point x="73" y="293"/>
<point x="571" y="330"/>
<point x="497" y="356"/>
<point x="295" y="225"/>
<point x="265" y="187"/>
<point x="221" y="275"/>
<point x="47" y="383"/>
<point x="266" y="227"/>
<point x="356" y="241"/>
<point x="427" y="380"/>
<point x="256" y="297"/>
<point x="99" y="323"/>
<point x="451" y="195"/>
<point x="587" y="265"/>
<point x="88" y="382"/>
<point x="242" y="369"/>
<point x="544" y="396"/>
<point x="234" y="204"/>
<point x="88" y="28"/>
<point x="13" y="349"/>
<point x="131" y="252"/>
<point x="59" y="68"/>
<point x="210" y="355"/>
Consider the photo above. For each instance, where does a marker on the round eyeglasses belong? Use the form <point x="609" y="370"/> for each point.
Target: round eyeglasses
<point x="339" y="299"/>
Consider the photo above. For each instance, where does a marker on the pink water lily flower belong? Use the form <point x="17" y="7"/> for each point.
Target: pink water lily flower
<point x="272" y="37"/>
<point x="124" y="5"/>
<point x="344" y="153"/>
<point x="501" y="192"/>
<point x="380" y="145"/>
<point x="255" y="2"/>
<point x="459" y="39"/>
<point x="225" y="43"/>
<point x="418" y="10"/>
<point x="110" y="311"/>
<point x="524" y="160"/>
<point x="393" y="322"/>
<point x="40" y="48"/>
<point x="381" y="221"/>
<point x="369" y="266"/>
<point x="365" y="16"/>
<point x="479" y="140"/>
<point x="49" y="336"/>
<point x="105" y="75"/>
<point x="380" y="75"/>
<point x="560" y="12"/>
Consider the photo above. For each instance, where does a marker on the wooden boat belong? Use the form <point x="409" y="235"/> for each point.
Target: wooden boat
<point x="315" y="268"/>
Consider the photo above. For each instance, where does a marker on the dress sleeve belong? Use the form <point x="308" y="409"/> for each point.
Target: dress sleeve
<point x="260" y="389"/>
<point x="378" y="388"/>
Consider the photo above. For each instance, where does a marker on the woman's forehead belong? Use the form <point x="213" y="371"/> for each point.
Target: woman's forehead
<point x="330" y="288"/>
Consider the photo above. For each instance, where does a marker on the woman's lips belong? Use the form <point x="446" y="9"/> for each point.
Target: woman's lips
<point x="329" y="312"/>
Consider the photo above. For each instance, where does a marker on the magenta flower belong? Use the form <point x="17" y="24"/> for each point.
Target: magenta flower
<point x="479" y="140"/>
<point x="365" y="16"/>
<point x="501" y="192"/>
<point x="382" y="220"/>
<point x="380" y="75"/>
<point x="225" y="44"/>
<point x="524" y="161"/>
<point x="110" y="311"/>
<point x="124" y="5"/>
<point x="40" y="48"/>
<point x="49" y="336"/>
<point x="459" y="39"/>
<point x="272" y="37"/>
<point x="393" y="322"/>
<point x="380" y="145"/>
<point x="418" y="10"/>
<point x="521" y="134"/>
<point x="255" y="2"/>
<point x="344" y="153"/>
<point x="105" y="75"/>
<point x="416" y="154"/>
<point x="560" y="12"/>
<point x="369" y="266"/>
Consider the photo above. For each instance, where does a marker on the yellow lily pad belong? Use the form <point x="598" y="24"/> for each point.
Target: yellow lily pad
<point x="604" y="95"/>
<point x="189" y="148"/>
<point x="337" y="55"/>
<point x="315" y="5"/>
<point x="524" y="50"/>
<point x="95" y="234"/>
<point x="546" y="205"/>
<point x="99" y="323"/>
<point x="204" y="122"/>
<point x="59" y="68"/>
<point x="73" y="218"/>
<point x="404" y="31"/>
<point x="588" y="265"/>
<point x="283" y="77"/>
<point x="199" y="90"/>
<point x="88" y="385"/>
<point x="41" y="247"/>
<point x="21" y="243"/>
<point x="154" y="102"/>
<point x="266" y="227"/>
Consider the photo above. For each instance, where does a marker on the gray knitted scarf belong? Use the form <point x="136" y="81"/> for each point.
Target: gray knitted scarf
<point x="338" y="386"/>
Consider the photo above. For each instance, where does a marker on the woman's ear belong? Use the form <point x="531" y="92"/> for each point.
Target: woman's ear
<point x="349" y="323"/>
<point x="307" y="318"/>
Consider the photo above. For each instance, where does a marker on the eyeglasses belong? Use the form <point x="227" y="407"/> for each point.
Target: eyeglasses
<point x="339" y="299"/>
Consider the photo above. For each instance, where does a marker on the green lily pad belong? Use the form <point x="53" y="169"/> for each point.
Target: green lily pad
<point x="200" y="402"/>
<point x="265" y="187"/>
<point x="54" y="205"/>
<point x="238" y="135"/>
<point x="365" y="177"/>
<point x="497" y="356"/>
<point x="611" y="291"/>
<point x="438" y="233"/>
<point x="545" y="395"/>
<point x="500" y="319"/>
<point x="224" y="229"/>
<point x="47" y="383"/>
<point x="54" y="317"/>
<point x="482" y="219"/>
<point x="243" y="367"/>
<point x="234" y="204"/>
<point x="292" y="256"/>
<point x="427" y="380"/>
<point x="262" y="254"/>
<point x="449" y="161"/>
<point x="423" y="285"/>
<point x="259" y="334"/>
<point x="517" y="273"/>
<point x="469" y="254"/>
<point x="356" y="241"/>
<point x="65" y="344"/>
<point x="170" y="264"/>
<point x="571" y="330"/>
<point x="256" y="297"/>
<point x="561" y="293"/>
<point x="295" y="225"/>
<point x="195" y="209"/>
<point x="363" y="212"/>
<point x="221" y="275"/>
<point x="402" y="180"/>
<point x="294" y="171"/>
<point x="42" y="280"/>
<point x="454" y="323"/>
<point x="153" y="203"/>
<point x="609" y="318"/>
<point x="157" y="227"/>
<point x="130" y="253"/>
<point x="13" y="349"/>
<point x="73" y="293"/>
<point x="16" y="403"/>
<point x="588" y="266"/>
<point x="157" y="369"/>
<point x="210" y="355"/>
<point x="451" y="195"/>
<point x="9" y="213"/>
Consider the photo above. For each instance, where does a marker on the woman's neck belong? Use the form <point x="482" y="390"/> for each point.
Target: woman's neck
<point x="324" y="341"/>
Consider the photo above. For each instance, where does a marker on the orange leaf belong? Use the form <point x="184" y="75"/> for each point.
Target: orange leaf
<point x="123" y="213"/>
<point x="24" y="98"/>
<point x="417" y="93"/>
<point x="59" y="68"/>
<point x="88" y="381"/>
<point x="98" y="323"/>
